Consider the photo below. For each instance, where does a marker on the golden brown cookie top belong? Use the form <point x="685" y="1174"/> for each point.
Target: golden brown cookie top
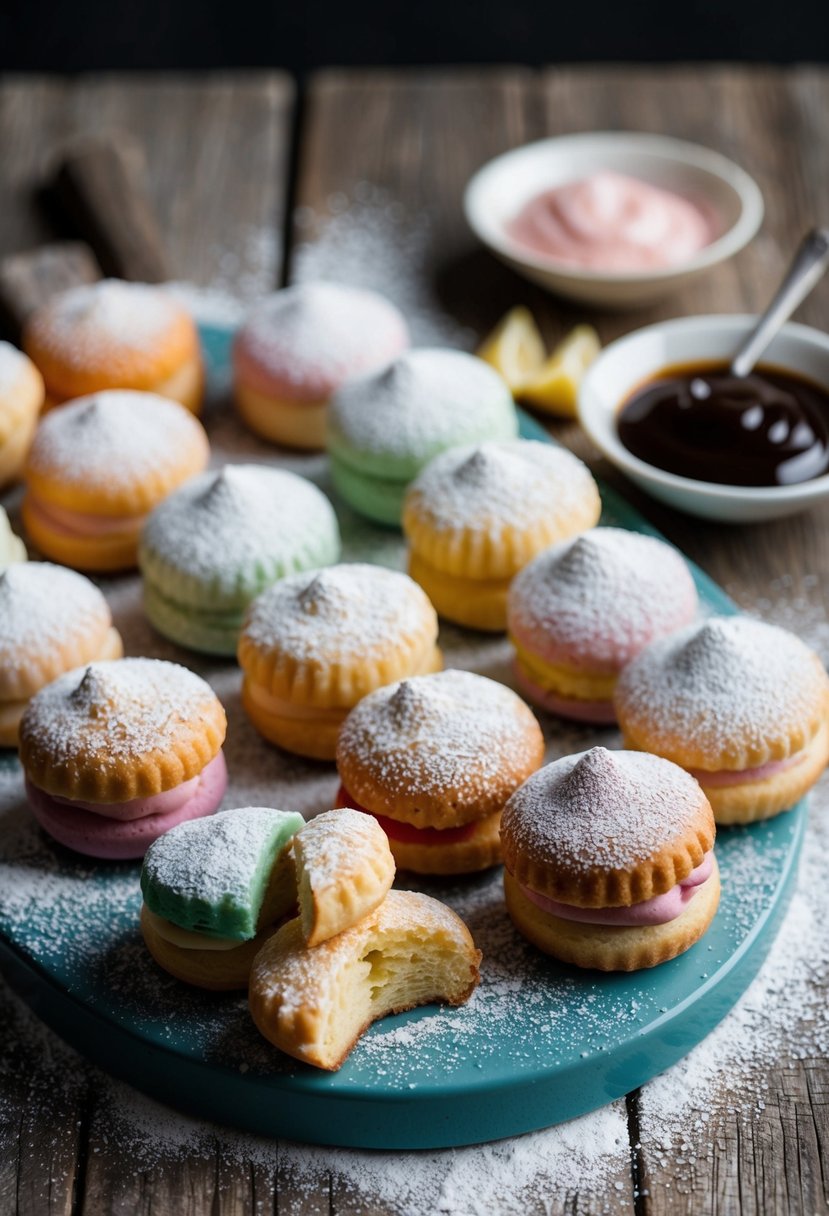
<point x="438" y="750"/>
<point x="51" y="620"/>
<point x="729" y="693"/>
<point x="115" y="453"/>
<point x="606" y="829"/>
<point x="114" y="731"/>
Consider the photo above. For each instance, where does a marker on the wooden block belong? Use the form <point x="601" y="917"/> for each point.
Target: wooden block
<point x="29" y="279"/>
<point x="98" y="184"/>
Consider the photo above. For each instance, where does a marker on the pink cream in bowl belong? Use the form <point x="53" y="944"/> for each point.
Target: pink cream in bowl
<point x="609" y="222"/>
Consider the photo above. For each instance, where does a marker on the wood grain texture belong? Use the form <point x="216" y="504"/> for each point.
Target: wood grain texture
<point x="217" y="153"/>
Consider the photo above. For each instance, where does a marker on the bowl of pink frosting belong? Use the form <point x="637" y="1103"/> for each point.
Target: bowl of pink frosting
<point x="615" y="219"/>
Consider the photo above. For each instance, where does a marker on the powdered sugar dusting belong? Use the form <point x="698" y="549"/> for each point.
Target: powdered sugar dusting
<point x="492" y="486"/>
<point x="213" y="864"/>
<point x="451" y="734"/>
<point x="12" y="365"/>
<point x="112" y="438"/>
<point x="604" y="809"/>
<point x="729" y="678"/>
<point x="104" y="320"/>
<point x="315" y="335"/>
<point x="118" y="711"/>
<point x="599" y="599"/>
<point x="225" y="527"/>
<point x="42" y="608"/>
<point x="338" y="844"/>
<point x="343" y="611"/>
<point x="425" y="401"/>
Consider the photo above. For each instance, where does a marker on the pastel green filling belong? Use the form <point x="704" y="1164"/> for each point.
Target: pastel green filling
<point x="211" y="875"/>
<point x="209" y="631"/>
<point x="377" y="498"/>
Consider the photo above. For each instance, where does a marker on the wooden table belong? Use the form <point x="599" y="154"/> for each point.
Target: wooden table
<point x="231" y="161"/>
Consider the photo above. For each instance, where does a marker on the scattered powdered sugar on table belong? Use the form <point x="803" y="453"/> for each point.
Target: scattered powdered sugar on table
<point x="371" y="240"/>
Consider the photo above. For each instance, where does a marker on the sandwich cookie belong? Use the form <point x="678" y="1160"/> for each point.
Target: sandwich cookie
<point x="111" y="335"/>
<point x="51" y="621"/>
<point x="581" y="611"/>
<point x="608" y="860"/>
<point x="117" y="753"/>
<point x="97" y="468"/>
<point x="214" y="890"/>
<point x="434" y="759"/>
<point x="215" y="544"/>
<point x="301" y="344"/>
<point x="315" y="644"/>
<point x="384" y="428"/>
<point x="477" y="515"/>
<point x="742" y="705"/>
<point x="21" y="400"/>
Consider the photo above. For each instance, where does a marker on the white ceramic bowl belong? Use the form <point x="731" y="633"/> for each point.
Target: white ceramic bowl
<point x="499" y="190"/>
<point x="624" y="364"/>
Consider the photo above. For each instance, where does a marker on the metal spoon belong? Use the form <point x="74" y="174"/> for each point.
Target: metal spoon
<point x="808" y="265"/>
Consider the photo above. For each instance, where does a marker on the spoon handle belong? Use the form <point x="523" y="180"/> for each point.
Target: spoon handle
<point x="809" y="263"/>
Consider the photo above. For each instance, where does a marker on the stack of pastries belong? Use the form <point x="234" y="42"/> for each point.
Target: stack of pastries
<point x="609" y="855"/>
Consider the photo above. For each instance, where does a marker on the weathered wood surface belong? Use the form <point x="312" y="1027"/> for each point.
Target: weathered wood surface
<point x="217" y="155"/>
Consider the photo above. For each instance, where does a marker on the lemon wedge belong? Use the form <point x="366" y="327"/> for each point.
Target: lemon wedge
<point x="515" y="348"/>
<point x="554" y="386"/>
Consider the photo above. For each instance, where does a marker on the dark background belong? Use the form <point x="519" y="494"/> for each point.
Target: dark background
<point x="78" y="35"/>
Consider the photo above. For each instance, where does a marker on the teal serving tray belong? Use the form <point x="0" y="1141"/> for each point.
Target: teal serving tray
<point x="538" y="1043"/>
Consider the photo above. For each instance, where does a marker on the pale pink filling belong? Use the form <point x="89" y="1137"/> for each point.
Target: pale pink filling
<point x="116" y="839"/>
<point x="743" y="776"/>
<point x="657" y="911"/>
<point x="600" y="713"/>
<point x="80" y="523"/>
<point x="137" y="808"/>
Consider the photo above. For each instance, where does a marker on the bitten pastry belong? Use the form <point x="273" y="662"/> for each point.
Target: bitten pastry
<point x="51" y="621"/>
<point x="12" y="548"/>
<point x="210" y="548"/>
<point x="111" y="335"/>
<point x="96" y="469"/>
<point x="743" y="706"/>
<point x="385" y="428"/>
<point x="608" y="860"/>
<point x="344" y="870"/>
<point x="314" y="644"/>
<point x="299" y="345"/>
<point x="214" y="890"/>
<point x="434" y="759"/>
<point x="580" y="612"/>
<point x="21" y="400"/>
<point x="476" y="515"/>
<point x="117" y="753"/>
<point x="314" y="1004"/>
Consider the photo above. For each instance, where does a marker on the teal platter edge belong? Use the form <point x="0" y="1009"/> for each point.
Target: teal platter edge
<point x="538" y="1043"/>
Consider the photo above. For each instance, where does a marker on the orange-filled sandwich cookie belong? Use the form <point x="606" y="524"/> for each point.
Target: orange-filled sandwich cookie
<point x="97" y="468"/>
<point x="742" y="705"/>
<point x="477" y="514"/>
<point x="316" y="643"/>
<point x="609" y="860"/>
<point x="51" y="621"/>
<point x="434" y="759"/>
<point x="113" y="334"/>
<point x="21" y="400"/>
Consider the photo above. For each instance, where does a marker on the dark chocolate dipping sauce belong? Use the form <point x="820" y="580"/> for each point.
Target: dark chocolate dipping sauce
<point x="769" y="429"/>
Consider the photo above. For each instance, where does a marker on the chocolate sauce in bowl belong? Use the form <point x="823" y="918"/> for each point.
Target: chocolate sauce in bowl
<point x="770" y="428"/>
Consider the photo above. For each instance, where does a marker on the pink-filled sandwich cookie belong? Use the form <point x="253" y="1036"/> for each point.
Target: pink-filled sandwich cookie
<point x="742" y="705"/>
<point x="582" y="610"/>
<point x="299" y="346"/>
<point x="117" y="753"/>
<point x="609" y="860"/>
